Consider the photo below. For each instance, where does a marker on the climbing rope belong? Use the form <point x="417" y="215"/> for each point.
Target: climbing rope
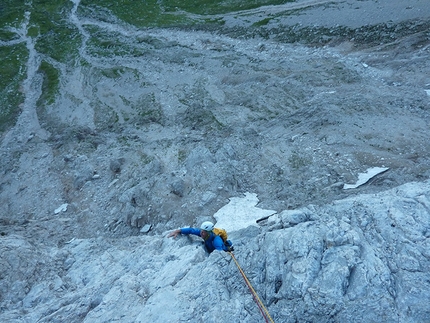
<point x="260" y="304"/>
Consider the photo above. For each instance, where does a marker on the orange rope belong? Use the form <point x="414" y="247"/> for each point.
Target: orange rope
<point x="260" y="304"/>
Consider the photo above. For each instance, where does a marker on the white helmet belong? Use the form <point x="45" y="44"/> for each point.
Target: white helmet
<point x="207" y="226"/>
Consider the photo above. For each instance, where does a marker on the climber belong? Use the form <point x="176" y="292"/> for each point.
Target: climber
<point x="212" y="240"/>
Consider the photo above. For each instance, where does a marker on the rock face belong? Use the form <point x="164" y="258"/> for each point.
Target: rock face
<point x="362" y="259"/>
<point x="132" y="132"/>
<point x="355" y="254"/>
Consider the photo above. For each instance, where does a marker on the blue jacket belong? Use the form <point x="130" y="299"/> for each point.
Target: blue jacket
<point x="211" y="243"/>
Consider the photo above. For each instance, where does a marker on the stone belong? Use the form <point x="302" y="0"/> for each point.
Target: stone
<point x="146" y="228"/>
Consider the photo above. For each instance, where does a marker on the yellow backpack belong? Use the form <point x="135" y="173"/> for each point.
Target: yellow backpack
<point x="222" y="233"/>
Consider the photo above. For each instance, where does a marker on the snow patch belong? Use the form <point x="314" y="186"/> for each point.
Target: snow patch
<point x="240" y="213"/>
<point x="61" y="208"/>
<point x="363" y="178"/>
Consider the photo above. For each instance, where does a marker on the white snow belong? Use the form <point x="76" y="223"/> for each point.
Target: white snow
<point x="363" y="178"/>
<point x="240" y="213"/>
<point x="61" y="208"/>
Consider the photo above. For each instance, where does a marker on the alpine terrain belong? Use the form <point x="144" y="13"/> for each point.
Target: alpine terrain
<point x="301" y="127"/>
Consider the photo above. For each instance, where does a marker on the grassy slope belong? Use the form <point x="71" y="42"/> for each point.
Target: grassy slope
<point x="58" y="40"/>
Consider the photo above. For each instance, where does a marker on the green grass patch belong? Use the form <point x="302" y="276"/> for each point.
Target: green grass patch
<point x="212" y="7"/>
<point x="12" y="75"/>
<point x="12" y="63"/>
<point x="48" y="14"/>
<point x="164" y="13"/>
<point x="51" y="81"/>
<point x="12" y="13"/>
<point x="6" y="35"/>
<point x="56" y="37"/>
<point x="262" y="22"/>
<point x="61" y="44"/>
<point x="135" y="12"/>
